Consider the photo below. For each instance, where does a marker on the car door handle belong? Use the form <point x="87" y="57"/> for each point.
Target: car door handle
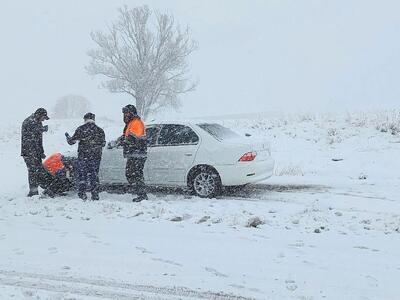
<point x="188" y="154"/>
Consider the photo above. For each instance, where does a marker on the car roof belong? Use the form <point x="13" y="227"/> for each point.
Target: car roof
<point x="180" y="122"/>
<point x="153" y="123"/>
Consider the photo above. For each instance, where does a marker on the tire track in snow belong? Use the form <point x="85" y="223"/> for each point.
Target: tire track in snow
<point x="104" y="289"/>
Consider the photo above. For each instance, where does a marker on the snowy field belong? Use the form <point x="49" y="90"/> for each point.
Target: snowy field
<point x="329" y="223"/>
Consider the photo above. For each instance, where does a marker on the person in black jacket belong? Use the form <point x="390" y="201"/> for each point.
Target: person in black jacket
<point x="90" y="148"/>
<point x="32" y="149"/>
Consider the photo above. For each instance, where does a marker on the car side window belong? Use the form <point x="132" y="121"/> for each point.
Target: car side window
<point x="151" y="135"/>
<point x="173" y="135"/>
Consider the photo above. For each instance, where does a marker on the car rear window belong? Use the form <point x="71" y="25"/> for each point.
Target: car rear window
<point x="218" y="131"/>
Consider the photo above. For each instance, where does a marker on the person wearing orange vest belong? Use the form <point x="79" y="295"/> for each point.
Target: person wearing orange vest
<point x="135" y="150"/>
<point x="54" y="164"/>
<point x="59" y="170"/>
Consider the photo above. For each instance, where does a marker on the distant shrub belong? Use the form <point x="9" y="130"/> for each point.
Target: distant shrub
<point x="333" y="136"/>
<point x="308" y="117"/>
<point x="332" y="132"/>
<point x="71" y="107"/>
<point x="359" y="119"/>
<point x="390" y="123"/>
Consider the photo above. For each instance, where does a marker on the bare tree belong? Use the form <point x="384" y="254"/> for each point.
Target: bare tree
<point x="71" y="107"/>
<point x="145" y="59"/>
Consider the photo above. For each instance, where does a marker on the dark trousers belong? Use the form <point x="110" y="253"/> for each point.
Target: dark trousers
<point x="59" y="183"/>
<point x="134" y="174"/>
<point x="87" y="174"/>
<point x="37" y="175"/>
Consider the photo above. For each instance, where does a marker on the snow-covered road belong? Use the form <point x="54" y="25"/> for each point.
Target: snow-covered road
<point x="315" y="240"/>
<point x="99" y="289"/>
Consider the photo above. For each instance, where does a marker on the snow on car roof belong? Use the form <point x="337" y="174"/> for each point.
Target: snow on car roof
<point x="177" y="122"/>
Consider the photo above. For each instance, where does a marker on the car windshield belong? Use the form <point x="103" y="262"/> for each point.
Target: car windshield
<point x="218" y="131"/>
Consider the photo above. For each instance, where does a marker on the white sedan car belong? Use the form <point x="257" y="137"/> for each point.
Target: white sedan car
<point x="201" y="156"/>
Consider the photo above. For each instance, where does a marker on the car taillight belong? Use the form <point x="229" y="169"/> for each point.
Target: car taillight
<point x="249" y="156"/>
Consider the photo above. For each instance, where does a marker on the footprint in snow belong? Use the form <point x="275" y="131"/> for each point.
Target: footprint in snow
<point x="29" y="294"/>
<point x="372" y="281"/>
<point x="90" y="236"/>
<point x="281" y="255"/>
<point x="309" y="263"/>
<point x="18" y="251"/>
<point x="361" y="247"/>
<point x="53" y="250"/>
<point x="203" y="219"/>
<point x="63" y="234"/>
<point x="298" y="244"/>
<point x="215" y="272"/>
<point x="97" y="242"/>
<point x="291" y="285"/>
<point x="237" y="286"/>
<point x="144" y="250"/>
<point x="165" y="261"/>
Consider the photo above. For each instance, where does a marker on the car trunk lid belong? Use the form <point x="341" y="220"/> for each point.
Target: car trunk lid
<point x="250" y="144"/>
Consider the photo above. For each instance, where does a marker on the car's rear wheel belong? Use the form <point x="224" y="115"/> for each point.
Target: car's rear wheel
<point x="205" y="183"/>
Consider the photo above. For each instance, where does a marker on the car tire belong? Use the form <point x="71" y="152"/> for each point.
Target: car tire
<point x="205" y="183"/>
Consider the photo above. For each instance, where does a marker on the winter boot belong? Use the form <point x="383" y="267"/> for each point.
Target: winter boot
<point x="48" y="193"/>
<point x="95" y="196"/>
<point x="140" y="198"/>
<point x="33" y="192"/>
<point x="82" y="195"/>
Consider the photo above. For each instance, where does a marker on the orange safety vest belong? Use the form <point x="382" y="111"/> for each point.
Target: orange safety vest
<point x="135" y="127"/>
<point x="54" y="163"/>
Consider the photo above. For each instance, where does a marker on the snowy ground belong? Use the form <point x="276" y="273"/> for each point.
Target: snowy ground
<point x="331" y="224"/>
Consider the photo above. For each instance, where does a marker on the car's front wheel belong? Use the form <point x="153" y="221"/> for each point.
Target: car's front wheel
<point x="205" y="183"/>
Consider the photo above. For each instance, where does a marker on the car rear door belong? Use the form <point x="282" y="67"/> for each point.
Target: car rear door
<point x="152" y="132"/>
<point x="173" y="154"/>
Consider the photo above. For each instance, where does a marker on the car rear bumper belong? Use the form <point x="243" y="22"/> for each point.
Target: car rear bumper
<point x="246" y="172"/>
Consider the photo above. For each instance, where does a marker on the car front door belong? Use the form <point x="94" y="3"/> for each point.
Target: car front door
<point x="113" y="163"/>
<point x="173" y="154"/>
<point x="112" y="167"/>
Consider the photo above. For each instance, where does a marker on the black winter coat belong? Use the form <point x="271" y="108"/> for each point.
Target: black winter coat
<point x="134" y="147"/>
<point x="32" y="138"/>
<point x="91" y="141"/>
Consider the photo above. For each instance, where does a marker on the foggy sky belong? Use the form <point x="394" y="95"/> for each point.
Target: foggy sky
<point x="253" y="55"/>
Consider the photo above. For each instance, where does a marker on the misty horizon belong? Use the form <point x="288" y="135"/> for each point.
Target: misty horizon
<point x="259" y="57"/>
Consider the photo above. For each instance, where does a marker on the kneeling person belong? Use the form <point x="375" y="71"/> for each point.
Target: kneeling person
<point x="59" y="169"/>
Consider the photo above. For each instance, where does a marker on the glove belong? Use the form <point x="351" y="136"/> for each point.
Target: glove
<point x="45" y="128"/>
<point x="68" y="137"/>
